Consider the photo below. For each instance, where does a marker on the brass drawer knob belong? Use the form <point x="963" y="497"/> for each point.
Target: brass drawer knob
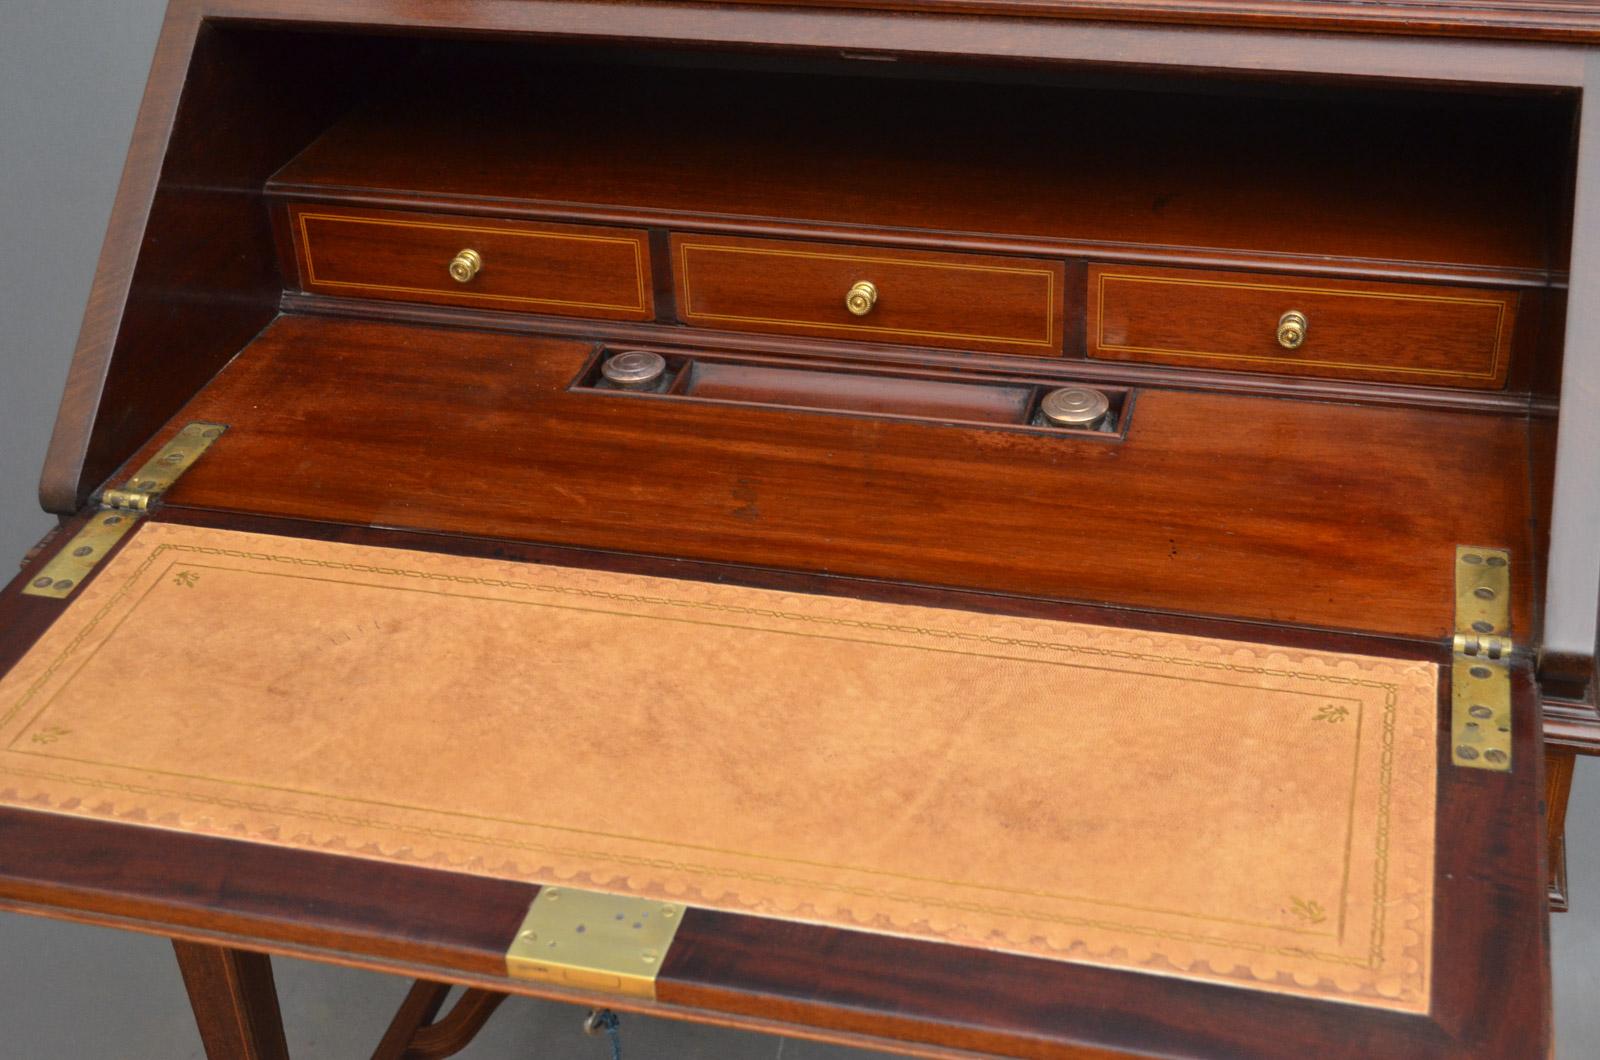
<point x="862" y="297"/>
<point x="465" y="265"/>
<point x="1292" y="329"/>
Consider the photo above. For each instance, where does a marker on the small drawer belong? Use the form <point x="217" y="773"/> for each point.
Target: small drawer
<point x="1383" y="332"/>
<point x="520" y="266"/>
<point x="920" y="298"/>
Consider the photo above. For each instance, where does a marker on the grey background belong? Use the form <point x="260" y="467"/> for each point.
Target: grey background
<point x="70" y="79"/>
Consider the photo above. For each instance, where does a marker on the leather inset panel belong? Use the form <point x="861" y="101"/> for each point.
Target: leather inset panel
<point x="1237" y="813"/>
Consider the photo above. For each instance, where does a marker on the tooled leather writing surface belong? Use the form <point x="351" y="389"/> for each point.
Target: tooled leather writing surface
<point x="980" y="780"/>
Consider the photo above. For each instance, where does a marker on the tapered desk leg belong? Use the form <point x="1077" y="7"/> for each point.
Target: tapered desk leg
<point x="235" y="1002"/>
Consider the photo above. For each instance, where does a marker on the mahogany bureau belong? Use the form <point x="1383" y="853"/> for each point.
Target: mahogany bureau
<point x="961" y="527"/>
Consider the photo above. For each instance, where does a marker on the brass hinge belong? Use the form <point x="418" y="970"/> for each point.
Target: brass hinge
<point x="120" y="509"/>
<point x="1480" y="660"/>
<point x="594" y="941"/>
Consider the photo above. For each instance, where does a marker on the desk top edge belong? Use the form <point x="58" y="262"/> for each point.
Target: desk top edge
<point x="1550" y="21"/>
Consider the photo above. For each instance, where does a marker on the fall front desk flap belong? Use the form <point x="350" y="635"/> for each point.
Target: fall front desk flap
<point x="1215" y="810"/>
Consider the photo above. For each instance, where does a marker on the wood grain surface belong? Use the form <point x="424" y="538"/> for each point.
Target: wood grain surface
<point x="1268" y="509"/>
<point x="1574" y="20"/>
<point x="1106" y="375"/>
<point x="1256" y="508"/>
<point x="194" y="172"/>
<point x="552" y="269"/>
<point x="1448" y="336"/>
<point x="1378" y="183"/>
<point x="924" y="298"/>
<point x="188" y="272"/>
<point x="234" y="1000"/>
<point x="933" y="399"/>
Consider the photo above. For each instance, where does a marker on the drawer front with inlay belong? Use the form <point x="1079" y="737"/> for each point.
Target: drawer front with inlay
<point x="914" y="297"/>
<point x="1383" y="332"/>
<point x="485" y="263"/>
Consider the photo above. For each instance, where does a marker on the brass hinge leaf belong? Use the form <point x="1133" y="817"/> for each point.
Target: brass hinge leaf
<point x="594" y="941"/>
<point x="121" y="508"/>
<point x="1480" y="661"/>
<point x="162" y="470"/>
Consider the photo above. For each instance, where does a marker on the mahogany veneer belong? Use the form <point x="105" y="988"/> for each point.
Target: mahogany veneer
<point x="879" y="395"/>
<point x="948" y="397"/>
<point x="1366" y="183"/>
<point x="1273" y="510"/>
<point x="1450" y="336"/>
<point x="973" y="302"/>
<point x="1558" y="20"/>
<point x="561" y="270"/>
<point x="1277" y="500"/>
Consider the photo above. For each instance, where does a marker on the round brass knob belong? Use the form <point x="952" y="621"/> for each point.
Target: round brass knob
<point x="1292" y="329"/>
<point x="465" y="265"/>
<point x="862" y="297"/>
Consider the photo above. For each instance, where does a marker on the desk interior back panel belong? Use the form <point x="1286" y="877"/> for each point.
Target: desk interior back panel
<point x="1305" y="177"/>
<point x="1299" y="512"/>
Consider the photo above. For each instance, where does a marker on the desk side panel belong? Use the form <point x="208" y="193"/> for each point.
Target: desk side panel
<point x="188" y="272"/>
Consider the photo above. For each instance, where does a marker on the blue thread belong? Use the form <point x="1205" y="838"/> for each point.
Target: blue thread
<point x="606" y="1020"/>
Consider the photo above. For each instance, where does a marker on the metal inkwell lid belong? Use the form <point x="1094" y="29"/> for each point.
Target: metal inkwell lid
<point x="1075" y="406"/>
<point x="633" y="369"/>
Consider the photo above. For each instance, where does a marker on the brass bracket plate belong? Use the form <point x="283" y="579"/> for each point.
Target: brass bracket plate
<point x="121" y="509"/>
<point x="80" y="555"/>
<point x="1480" y="663"/>
<point x="165" y="468"/>
<point x="594" y="941"/>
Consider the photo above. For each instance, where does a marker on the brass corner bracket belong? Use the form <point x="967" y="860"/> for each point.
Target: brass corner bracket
<point x="1480" y="660"/>
<point x="593" y="941"/>
<point x="121" y="508"/>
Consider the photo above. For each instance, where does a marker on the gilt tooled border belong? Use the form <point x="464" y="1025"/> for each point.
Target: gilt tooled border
<point x="760" y="612"/>
<point x="21" y="730"/>
<point x="1373" y="960"/>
